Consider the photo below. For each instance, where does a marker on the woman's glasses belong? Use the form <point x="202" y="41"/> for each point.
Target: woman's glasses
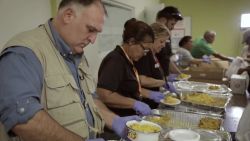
<point x="144" y="49"/>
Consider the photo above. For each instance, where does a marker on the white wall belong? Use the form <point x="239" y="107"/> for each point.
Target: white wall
<point x="139" y="6"/>
<point x="94" y="57"/>
<point x="21" y="15"/>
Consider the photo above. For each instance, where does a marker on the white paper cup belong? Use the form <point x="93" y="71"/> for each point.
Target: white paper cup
<point x="134" y="135"/>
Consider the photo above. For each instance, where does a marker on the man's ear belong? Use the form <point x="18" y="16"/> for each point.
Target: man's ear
<point x="68" y="15"/>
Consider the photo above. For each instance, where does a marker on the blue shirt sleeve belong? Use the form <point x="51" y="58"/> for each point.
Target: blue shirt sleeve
<point x="21" y="82"/>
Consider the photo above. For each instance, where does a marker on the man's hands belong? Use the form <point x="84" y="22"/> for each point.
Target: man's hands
<point x="172" y="77"/>
<point x="142" y="108"/>
<point x="170" y="87"/>
<point x="156" y="96"/>
<point x="119" y="125"/>
<point x="206" y="59"/>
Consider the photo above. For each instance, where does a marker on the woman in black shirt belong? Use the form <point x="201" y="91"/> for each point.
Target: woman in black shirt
<point x="149" y="69"/>
<point x="118" y="81"/>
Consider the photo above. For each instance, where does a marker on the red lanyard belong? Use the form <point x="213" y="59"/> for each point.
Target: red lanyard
<point x="135" y="72"/>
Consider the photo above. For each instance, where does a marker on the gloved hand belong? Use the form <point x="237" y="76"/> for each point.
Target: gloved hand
<point x="98" y="139"/>
<point x="172" y="77"/>
<point x="142" y="108"/>
<point x="170" y="87"/>
<point x="206" y="59"/>
<point x="156" y="96"/>
<point x="119" y="125"/>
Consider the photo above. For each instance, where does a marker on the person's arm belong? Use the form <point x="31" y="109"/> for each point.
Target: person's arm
<point x="114" y="99"/>
<point x="241" y="70"/>
<point x="196" y="61"/>
<point x="247" y="60"/>
<point x="41" y="127"/>
<point x="187" y="56"/>
<point x="222" y="57"/>
<point x="150" y="82"/>
<point x="106" y="114"/>
<point x="145" y="93"/>
<point x="20" y="108"/>
<point x="114" y="122"/>
<point x="207" y="50"/>
<point x="173" y="68"/>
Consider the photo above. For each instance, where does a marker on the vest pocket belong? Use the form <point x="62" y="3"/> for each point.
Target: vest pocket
<point x="60" y="91"/>
<point x="71" y="117"/>
<point x="64" y="105"/>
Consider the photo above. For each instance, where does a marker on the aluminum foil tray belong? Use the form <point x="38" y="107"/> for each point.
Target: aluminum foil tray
<point x="197" y="110"/>
<point x="215" y="106"/>
<point x="194" y="109"/>
<point x="201" y="87"/>
<point x="181" y="119"/>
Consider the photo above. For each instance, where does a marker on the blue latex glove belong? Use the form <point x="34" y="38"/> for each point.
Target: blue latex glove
<point x="172" y="77"/>
<point x="119" y="125"/>
<point x="156" y="96"/>
<point x="142" y="108"/>
<point x="206" y="59"/>
<point x="99" y="139"/>
<point x="170" y="87"/>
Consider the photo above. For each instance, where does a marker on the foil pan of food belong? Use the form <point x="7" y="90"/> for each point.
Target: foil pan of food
<point x="206" y="101"/>
<point x="201" y="87"/>
<point x="189" y="108"/>
<point x="174" y="119"/>
<point x="194" y="109"/>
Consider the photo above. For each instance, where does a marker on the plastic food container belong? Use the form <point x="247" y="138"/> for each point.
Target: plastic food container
<point x="183" y="135"/>
<point x="135" y="135"/>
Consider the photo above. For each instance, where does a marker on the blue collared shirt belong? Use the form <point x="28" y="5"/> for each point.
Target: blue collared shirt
<point x="21" y="82"/>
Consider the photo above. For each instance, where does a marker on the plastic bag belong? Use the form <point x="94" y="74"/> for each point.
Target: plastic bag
<point x="236" y="64"/>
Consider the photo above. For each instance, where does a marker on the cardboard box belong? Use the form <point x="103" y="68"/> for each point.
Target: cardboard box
<point x="217" y="63"/>
<point x="238" y="84"/>
<point x="223" y="81"/>
<point x="205" y="73"/>
<point x="213" y="71"/>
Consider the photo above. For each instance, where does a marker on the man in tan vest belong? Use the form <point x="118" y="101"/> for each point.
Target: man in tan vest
<point x="46" y="90"/>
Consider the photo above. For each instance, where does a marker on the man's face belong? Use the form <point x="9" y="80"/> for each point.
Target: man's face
<point x="211" y="38"/>
<point x="170" y="23"/>
<point x="82" y="26"/>
<point x="189" y="45"/>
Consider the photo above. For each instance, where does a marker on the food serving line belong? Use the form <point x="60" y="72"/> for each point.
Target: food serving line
<point x="197" y="108"/>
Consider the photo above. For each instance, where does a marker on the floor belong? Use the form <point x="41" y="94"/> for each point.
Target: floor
<point x="234" y="111"/>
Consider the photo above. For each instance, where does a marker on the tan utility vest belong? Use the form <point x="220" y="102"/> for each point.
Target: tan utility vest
<point x="60" y="96"/>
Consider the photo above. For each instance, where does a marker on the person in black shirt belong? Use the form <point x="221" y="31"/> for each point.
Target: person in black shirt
<point x="118" y="81"/>
<point x="168" y="16"/>
<point x="149" y="69"/>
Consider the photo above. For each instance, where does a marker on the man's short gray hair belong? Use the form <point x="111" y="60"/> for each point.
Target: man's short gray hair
<point x="64" y="3"/>
<point x="209" y="33"/>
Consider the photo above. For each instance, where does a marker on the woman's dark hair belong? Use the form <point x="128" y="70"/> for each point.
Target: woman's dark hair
<point x="136" y="29"/>
<point x="184" y="40"/>
<point x="170" y="12"/>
